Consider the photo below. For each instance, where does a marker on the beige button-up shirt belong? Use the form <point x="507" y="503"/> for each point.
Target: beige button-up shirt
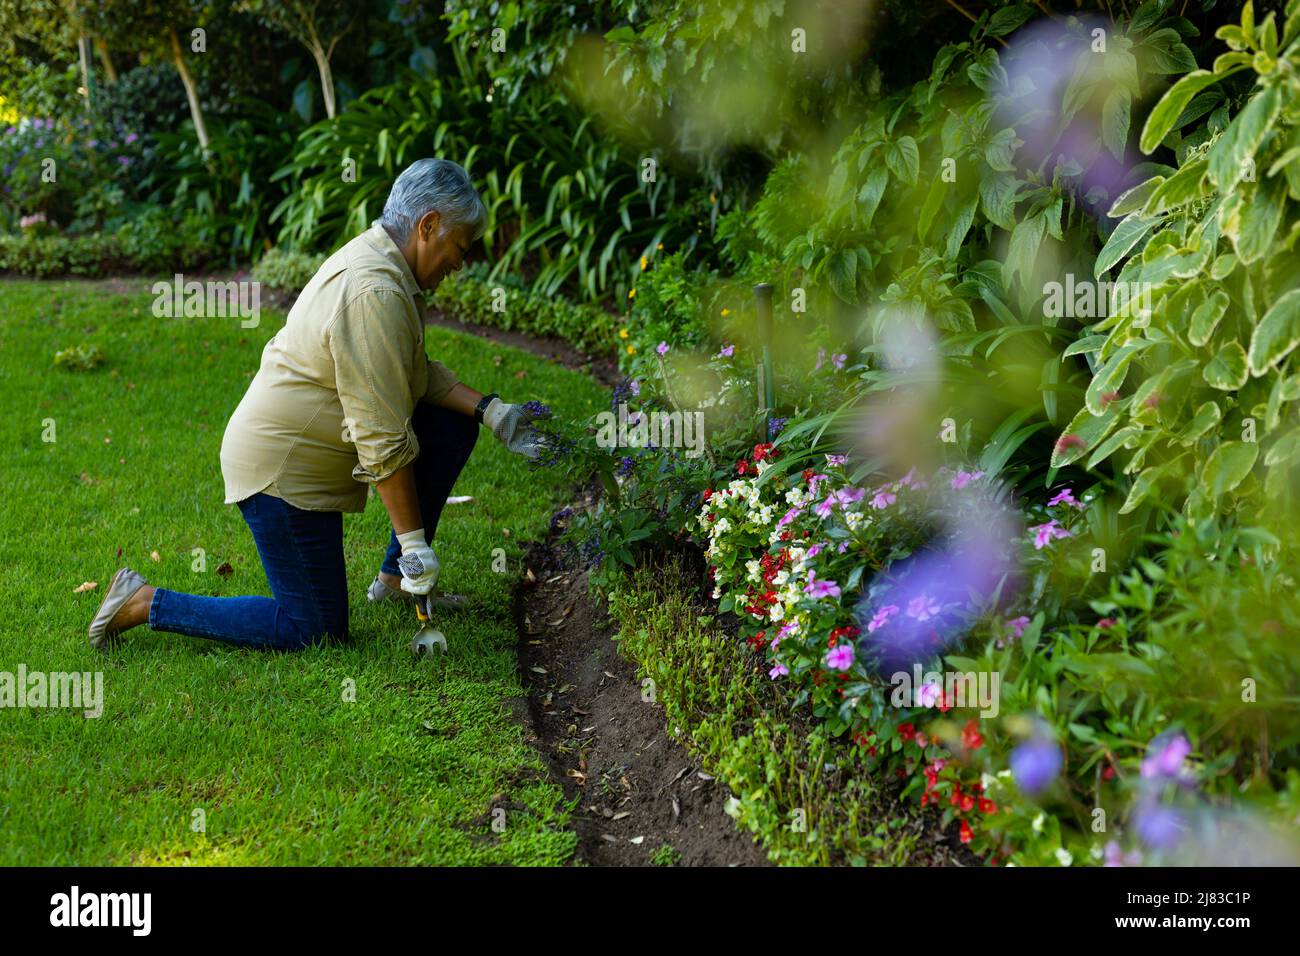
<point x="330" y="407"/>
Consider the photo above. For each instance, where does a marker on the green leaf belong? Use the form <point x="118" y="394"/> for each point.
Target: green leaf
<point x="1023" y="250"/>
<point x="842" y="270"/>
<point x="1113" y="444"/>
<point x="904" y="159"/>
<point x="1181" y="188"/>
<point x="1089" y="343"/>
<point x="933" y="203"/>
<point x="1001" y="150"/>
<point x="1111" y="376"/>
<point x="871" y="192"/>
<point x="1121" y="242"/>
<point x="1206" y="417"/>
<point x="1131" y="200"/>
<point x="998" y="194"/>
<point x="1228" y="466"/>
<point x="1284" y="449"/>
<point x="1007" y="19"/>
<point x="1241" y="139"/>
<point x="1206" y="318"/>
<point x="961" y="224"/>
<point x="1260" y="219"/>
<point x="1115" y="119"/>
<point x="1143" y="485"/>
<point x="1277" y="333"/>
<point x="1166" y="112"/>
<point x="1084" y="433"/>
<point x="1227" y="370"/>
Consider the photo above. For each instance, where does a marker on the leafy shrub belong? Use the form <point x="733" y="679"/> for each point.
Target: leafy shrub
<point x="149" y="244"/>
<point x="1208" y="414"/>
<point x="511" y="304"/>
<point x="281" y="269"/>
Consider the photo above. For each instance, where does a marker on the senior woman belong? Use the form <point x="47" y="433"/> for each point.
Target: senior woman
<point x="345" y="396"/>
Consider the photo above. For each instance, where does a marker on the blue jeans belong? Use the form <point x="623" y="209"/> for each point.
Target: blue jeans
<point x="302" y="553"/>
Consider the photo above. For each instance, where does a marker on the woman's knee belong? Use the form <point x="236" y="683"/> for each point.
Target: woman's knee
<point x="302" y="634"/>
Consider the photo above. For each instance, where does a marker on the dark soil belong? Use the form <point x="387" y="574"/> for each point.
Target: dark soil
<point x="638" y="791"/>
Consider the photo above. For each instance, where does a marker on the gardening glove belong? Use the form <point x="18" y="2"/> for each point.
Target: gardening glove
<point x="418" y="563"/>
<point x="512" y="426"/>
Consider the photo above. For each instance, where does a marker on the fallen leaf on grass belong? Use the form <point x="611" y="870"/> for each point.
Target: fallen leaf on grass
<point x="521" y="374"/>
<point x="85" y="586"/>
<point x="155" y="555"/>
<point x="225" y="570"/>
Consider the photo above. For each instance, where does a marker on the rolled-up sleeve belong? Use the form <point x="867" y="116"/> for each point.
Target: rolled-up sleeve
<point x="441" y="381"/>
<point x="375" y="349"/>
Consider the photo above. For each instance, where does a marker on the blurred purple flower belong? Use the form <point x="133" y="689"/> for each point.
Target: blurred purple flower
<point x="840" y="657"/>
<point x="820" y="589"/>
<point x="838" y="360"/>
<point x="1165" y="756"/>
<point x="833" y="460"/>
<point x="662" y="348"/>
<point x="1035" y="764"/>
<point x="1044" y="533"/>
<point x="727" y="351"/>
<point x="881" y="617"/>
<point x="963" y="478"/>
<point x="1159" y="827"/>
<point x="778" y="670"/>
<point x="883" y="499"/>
<point x="1065" y="498"/>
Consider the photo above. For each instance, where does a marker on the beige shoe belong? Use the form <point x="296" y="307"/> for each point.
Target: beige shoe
<point x="125" y="583"/>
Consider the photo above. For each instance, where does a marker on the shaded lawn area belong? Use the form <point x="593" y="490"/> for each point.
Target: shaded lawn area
<point x="285" y="770"/>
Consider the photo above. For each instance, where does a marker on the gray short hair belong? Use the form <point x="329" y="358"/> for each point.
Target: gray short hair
<point x="432" y="185"/>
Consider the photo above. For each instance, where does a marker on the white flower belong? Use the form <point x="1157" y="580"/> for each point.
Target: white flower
<point x="780" y="578"/>
<point x="1096" y="851"/>
<point x="717" y="593"/>
<point x="722" y="525"/>
<point x="1064" y="857"/>
<point x="795" y="497"/>
<point x="852" y="519"/>
<point x="752" y="568"/>
<point x="1038" y="822"/>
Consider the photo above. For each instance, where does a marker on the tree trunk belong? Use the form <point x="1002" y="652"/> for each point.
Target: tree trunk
<point x="110" y="71"/>
<point x="326" y="76"/>
<point x="191" y="91"/>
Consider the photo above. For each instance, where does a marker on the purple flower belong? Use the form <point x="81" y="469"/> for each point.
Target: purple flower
<point x="537" y="410"/>
<point x="635" y="386"/>
<point x="814" y="481"/>
<point x="775" y="425"/>
<point x="816" y="549"/>
<point x="1035" y="764"/>
<point x="928" y="694"/>
<point x="1017" y="625"/>
<point x="883" y="499"/>
<point x="823" y="508"/>
<point x="1065" y="498"/>
<point x="848" y="496"/>
<point x="130" y="138"/>
<point x="844" y="546"/>
<point x="964" y="478"/>
<point x="1165" y="756"/>
<point x="838" y="360"/>
<point x="833" y="460"/>
<point x="922" y="608"/>
<point x="778" y="670"/>
<point x="1044" y="533"/>
<point x="840" y="657"/>
<point x="124" y="160"/>
<point x="727" y="351"/>
<point x="1160" y="828"/>
<point x="789" y="516"/>
<point x="625" y="467"/>
<point x="1117" y="857"/>
<point x="662" y="348"/>
<point x="881" y="617"/>
<point x="820" y="589"/>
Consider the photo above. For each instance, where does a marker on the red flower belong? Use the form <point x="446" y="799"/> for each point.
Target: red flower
<point x="808" y="473"/>
<point x="741" y="466"/>
<point x="987" y="805"/>
<point x="970" y="735"/>
<point x="966" y="834"/>
<point x="1106" y="623"/>
<point x="708" y="493"/>
<point x="906" y="731"/>
<point x="967" y="803"/>
<point x="763" y="451"/>
<point x="1108" y="772"/>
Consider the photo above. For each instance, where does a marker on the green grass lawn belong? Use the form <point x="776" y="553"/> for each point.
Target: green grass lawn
<point x="285" y="770"/>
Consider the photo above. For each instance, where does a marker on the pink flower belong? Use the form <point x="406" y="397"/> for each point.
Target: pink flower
<point x="1018" y="625"/>
<point x="662" y="348"/>
<point x="840" y="657"/>
<point x="789" y="516"/>
<point x="927" y="695"/>
<point x="1044" y="533"/>
<point x="820" y="589"/>
<point x="778" y="670"/>
<point x="1065" y="498"/>
<point x="922" y="608"/>
<point x="814" y="481"/>
<point x="727" y="351"/>
<point x="883" y="499"/>
<point x="816" y="549"/>
<point x="881" y="617"/>
<point x="823" y="508"/>
<point x="847" y="496"/>
<point x="834" y="460"/>
<point x="964" y="478"/>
